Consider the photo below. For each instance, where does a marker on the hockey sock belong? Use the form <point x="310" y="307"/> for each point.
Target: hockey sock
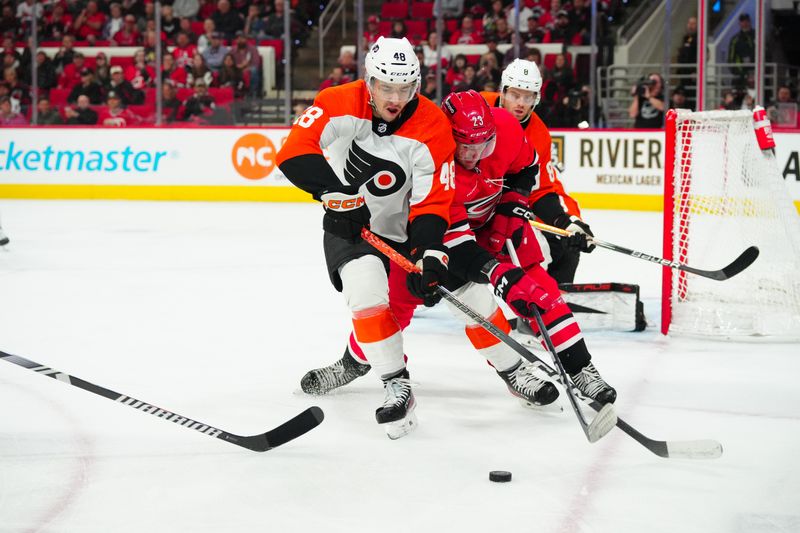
<point x="380" y="338"/>
<point x="500" y="356"/>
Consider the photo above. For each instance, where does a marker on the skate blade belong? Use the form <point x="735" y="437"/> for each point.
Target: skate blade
<point x="554" y="407"/>
<point x="604" y="422"/>
<point x="401" y="428"/>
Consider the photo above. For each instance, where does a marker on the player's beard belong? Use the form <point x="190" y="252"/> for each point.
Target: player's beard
<point x="520" y="111"/>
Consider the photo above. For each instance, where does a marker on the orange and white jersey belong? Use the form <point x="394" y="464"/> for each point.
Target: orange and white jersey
<point x="404" y="168"/>
<point x="538" y="135"/>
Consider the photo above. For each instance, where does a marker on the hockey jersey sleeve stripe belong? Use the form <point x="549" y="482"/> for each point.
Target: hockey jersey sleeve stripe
<point x="462" y="225"/>
<point x="458" y="233"/>
<point x="451" y="241"/>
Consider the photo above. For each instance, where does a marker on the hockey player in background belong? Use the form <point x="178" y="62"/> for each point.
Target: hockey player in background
<point x="520" y="91"/>
<point x="390" y="167"/>
<point x="496" y="168"/>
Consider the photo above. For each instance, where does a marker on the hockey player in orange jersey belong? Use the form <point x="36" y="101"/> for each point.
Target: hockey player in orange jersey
<point x="496" y="168"/>
<point x="520" y="91"/>
<point x="390" y="167"/>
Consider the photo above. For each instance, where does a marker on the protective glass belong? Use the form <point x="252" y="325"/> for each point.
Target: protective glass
<point x="468" y="155"/>
<point x="520" y="96"/>
<point x="396" y="92"/>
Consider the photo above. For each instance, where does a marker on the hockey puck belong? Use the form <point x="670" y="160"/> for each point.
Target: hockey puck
<point x="499" y="476"/>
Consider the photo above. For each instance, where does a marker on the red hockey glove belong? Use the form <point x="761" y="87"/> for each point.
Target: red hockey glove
<point x="508" y="220"/>
<point x="580" y="232"/>
<point x="519" y="291"/>
<point x="345" y="212"/>
<point x="433" y="263"/>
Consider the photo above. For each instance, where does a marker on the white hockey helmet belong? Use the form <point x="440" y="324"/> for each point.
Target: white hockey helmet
<point x="392" y="61"/>
<point x="525" y="75"/>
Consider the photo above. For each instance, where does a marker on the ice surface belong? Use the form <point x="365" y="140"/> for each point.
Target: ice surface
<point x="216" y="310"/>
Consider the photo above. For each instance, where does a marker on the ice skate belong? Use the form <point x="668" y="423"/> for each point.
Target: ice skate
<point x="397" y="412"/>
<point x="324" y="380"/>
<point x="533" y="391"/>
<point x="590" y="383"/>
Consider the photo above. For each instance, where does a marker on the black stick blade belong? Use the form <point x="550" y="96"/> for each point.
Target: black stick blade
<point x="741" y="262"/>
<point x="289" y="430"/>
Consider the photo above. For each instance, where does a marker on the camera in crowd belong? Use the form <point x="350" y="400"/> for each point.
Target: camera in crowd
<point x="643" y="84"/>
<point x="574" y="98"/>
<point x="577" y="98"/>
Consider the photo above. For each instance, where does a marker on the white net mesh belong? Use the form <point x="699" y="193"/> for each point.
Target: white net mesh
<point x="729" y="195"/>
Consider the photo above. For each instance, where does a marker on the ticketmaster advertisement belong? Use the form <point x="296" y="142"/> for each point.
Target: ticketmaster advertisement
<point x="613" y="169"/>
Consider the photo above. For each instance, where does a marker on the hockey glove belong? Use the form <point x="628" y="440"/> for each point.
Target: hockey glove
<point x="508" y="220"/>
<point x="433" y="263"/>
<point x="581" y="233"/>
<point x="345" y="212"/>
<point x="519" y="291"/>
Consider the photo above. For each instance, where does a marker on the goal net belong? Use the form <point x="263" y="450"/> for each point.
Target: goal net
<point x="722" y="194"/>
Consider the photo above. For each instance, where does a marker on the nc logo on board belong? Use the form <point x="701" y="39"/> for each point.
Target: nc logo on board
<point x="253" y="156"/>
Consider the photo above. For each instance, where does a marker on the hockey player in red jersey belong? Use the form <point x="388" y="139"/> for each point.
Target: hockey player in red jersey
<point x="495" y="172"/>
<point x="520" y="91"/>
<point x="490" y="195"/>
<point x="390" y="167"/>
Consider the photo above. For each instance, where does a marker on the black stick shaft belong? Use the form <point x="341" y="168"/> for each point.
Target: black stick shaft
<point x="287" y="431"/>
<point x="744" y="260"/>
<point x="702" y="449"/>
<point x="553" y="353"/>
<point x="561" y="372"/>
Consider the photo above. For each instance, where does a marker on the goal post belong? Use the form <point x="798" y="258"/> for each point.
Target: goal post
<point x="722" y="193"/>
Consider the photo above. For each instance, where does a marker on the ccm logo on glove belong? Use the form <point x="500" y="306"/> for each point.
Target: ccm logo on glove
<point x="337" y="201"/>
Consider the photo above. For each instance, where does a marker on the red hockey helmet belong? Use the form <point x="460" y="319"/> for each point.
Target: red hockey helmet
<point x="473" y="126"/>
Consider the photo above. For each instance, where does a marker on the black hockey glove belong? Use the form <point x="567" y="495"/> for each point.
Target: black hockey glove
<point x="433" y="262"/>
<point x="345" y="212"/>
<point x="580" y="232"/>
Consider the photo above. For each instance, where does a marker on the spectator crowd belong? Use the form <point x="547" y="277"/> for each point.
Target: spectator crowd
<point x="565" y="92"/>
<point x="208" y="48"/>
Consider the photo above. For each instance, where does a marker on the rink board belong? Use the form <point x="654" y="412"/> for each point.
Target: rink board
<point x="603" y="169"/>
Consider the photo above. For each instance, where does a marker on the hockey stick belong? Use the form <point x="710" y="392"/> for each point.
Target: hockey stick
<point x="606" y="418"/>
<point x="302" y="423"/>
<point x="744" y="260"/>
<point x="692" y="449"/>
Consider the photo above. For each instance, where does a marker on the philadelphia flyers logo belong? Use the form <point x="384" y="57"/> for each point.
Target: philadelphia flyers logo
<point x="383" y="177"/>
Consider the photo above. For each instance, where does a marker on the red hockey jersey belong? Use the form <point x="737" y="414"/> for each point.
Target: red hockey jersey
<point x="478" y="190"/>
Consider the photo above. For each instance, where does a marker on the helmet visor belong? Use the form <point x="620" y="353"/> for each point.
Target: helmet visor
<point x="468" y="155"/>
<point x="519" y="96"/>
<point x="393" y="92"/>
